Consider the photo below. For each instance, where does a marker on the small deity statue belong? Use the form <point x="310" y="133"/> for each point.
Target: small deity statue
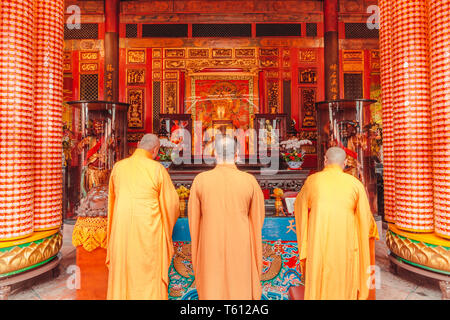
<point x="269" y="130"/>
<point x="292" y="131"/>
<point x="94" y="172"/>
<point x="220" y="111"/>
<point x="222" y="107"/>
<point x="349" y="141"/>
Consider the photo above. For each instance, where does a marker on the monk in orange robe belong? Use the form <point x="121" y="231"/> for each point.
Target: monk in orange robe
<point x="334" y="225"/>
<point x="226" y="215"/>
<point x="143" y="207"/>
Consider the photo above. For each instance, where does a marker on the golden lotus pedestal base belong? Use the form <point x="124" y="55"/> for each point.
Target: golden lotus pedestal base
<point x="422" y="253"/>
<point x="8" y="282"/>
<point x="26" y="258"/>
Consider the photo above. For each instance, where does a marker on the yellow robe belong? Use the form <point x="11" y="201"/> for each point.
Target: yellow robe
<point x="334" y="224"/>
<point x="226" y="215"/>
<point x="143" y="207"/>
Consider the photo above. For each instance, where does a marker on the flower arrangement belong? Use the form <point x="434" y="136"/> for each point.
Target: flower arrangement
<point x="293" y="156"/>
<point x="294" y="143"/>
<point x="165" y="150"/>
<point x="164" y="155"/>
<point x="183" y="192"/>
<point x="292" y="149"/>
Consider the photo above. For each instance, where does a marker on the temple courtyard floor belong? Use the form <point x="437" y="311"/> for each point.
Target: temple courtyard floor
<point x="403" y="286"/>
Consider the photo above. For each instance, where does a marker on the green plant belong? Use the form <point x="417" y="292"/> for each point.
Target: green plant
<point x="165" y="154"/>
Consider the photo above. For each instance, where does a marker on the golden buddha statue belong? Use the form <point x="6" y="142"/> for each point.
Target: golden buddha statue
<point x="222" y="107"/>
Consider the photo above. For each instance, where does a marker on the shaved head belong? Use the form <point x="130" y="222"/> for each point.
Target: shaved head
<point x="336" y="155"/>
<point x="149" y="142"/>
<point x="224" y="149"/>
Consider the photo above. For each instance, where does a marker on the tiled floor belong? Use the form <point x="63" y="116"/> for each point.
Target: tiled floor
<point x="404" y="286"/>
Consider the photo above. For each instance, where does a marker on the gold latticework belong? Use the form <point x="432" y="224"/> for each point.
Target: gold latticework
<point x="90" y="233"/>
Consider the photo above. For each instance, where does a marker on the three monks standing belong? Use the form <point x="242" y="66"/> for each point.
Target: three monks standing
<point x="226" y="216"/>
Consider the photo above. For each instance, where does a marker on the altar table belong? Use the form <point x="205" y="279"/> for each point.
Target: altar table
<point x="280" y="260"/>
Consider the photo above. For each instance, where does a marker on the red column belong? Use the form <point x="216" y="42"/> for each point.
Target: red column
<point x="48" y="94"/>
<point x="412" y="119"/>
<point x="387" y="111"/>
<point x="111" y="82"/>
<point x="262" y="92"/>
<point x="331" y="49"/>
<point x="16" y="119"/>
<point x="440" y="112"/>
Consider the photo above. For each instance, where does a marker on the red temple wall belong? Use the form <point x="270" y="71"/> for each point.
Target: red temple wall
<point x="289" y="59"/>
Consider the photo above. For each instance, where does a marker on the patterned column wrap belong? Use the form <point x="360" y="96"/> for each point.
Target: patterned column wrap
<point x="440" y="111"/>
<point x="48" y="113"/>
<point x="387" y="111"/>
<point x="16" y="119"/>
<point x="412" y="119"/>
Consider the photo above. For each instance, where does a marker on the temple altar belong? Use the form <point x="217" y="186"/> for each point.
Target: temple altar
<point x="280" y="260"/>
<point x="289" y="180"/>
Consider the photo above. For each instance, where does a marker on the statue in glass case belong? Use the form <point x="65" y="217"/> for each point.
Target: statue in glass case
<point x="100" y="131"/>
<point x="94" y="172"/>
<point x="343" y="123"/>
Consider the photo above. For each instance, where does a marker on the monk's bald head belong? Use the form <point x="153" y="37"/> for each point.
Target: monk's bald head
<point x="335" y="155"/>
<point x="150" y="143"/>
<point x="224" y="149"/>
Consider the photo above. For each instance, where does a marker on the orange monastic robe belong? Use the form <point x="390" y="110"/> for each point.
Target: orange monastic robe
<point x="143" y="209"/>
<point x="226" y="215"/>
<point x="334" y="224"/>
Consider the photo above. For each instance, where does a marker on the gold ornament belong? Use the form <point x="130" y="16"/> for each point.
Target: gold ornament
<point x="24" y="256"/>
<point x="90" y="233"/>
<point x="435" y="257"/>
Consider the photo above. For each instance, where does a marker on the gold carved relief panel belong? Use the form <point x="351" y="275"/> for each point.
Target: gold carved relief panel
<point x="170" y="97"/>
<point x="135" y="97"/>
<point x="136" y="56"/>
<point x="135" y="77"/>
<point x="307" y="55"/>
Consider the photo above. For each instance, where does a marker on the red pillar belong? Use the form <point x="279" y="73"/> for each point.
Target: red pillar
<point x="331" y="49"/>
<point x="16" y="119"/>
<point x="412" y="118"/>
<point x="388" y="108"/>
<point x="440" y="112"/>
<point x="48" y="98"/>
<point x="111" y="82"/>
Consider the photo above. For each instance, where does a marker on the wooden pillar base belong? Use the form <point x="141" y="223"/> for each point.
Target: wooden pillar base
<point x="8" y="282"/>
<point x="4" y="292"/>
<point x="444" y="280"/>
<point x="445" y="289"/>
